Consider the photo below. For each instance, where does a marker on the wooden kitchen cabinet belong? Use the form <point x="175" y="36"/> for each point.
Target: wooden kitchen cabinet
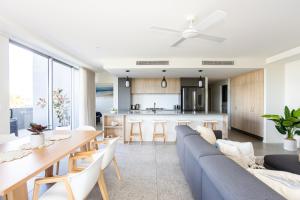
<point x="247" y="102"/>
<point x="152" y="86"/>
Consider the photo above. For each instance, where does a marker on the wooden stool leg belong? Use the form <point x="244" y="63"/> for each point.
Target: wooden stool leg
<point x="154" y="131"/>
<point x="131" y="129"/>
<point x="163" y="126"/>
<point x="140" y="134"/>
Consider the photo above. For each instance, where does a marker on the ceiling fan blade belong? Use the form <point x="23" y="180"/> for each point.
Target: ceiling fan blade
<point x="211" y="19"/>
<point x="210" y="37"/>
<point x="165" y="29"/>
<point x="178" y="42"/>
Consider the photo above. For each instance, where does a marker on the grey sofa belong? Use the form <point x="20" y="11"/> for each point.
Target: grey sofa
<point x="212" y="176"/>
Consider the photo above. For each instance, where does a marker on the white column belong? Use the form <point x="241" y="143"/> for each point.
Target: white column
<point x="4" y="85"/>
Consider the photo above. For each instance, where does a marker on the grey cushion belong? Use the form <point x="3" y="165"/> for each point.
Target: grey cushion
<point x="198" y="147"/>
<point x="287" y="163"/>
<point x="233" y="182"/>
<point x="182" y="131"/>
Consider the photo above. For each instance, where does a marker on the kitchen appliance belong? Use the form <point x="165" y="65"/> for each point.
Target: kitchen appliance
<point x="137" y="106"/>
<point x="192" y="99"/>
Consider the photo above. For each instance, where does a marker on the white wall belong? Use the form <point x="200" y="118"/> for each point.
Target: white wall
<point x="274" y="99"/>
<point x="104" y="78"/>
<point x="4" y="85"/>
<point x="166" y="101"/>
<point x="292" y="84"/>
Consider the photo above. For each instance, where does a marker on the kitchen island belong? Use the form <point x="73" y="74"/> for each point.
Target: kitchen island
<point x="170" y="116"/>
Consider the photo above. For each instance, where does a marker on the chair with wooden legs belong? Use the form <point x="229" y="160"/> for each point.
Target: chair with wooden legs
<point x="85" y="148"/>
<point x="210" y="124"/>
<point x="73" y="186"/>
<point x="109" y="157"/>
<point x="162" y="134"/>
<point x="132" y="133"/>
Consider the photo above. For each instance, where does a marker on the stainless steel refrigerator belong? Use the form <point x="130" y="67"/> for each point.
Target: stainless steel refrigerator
<point x="192" y="99"/>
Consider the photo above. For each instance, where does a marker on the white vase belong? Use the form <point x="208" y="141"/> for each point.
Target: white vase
<point x="290" y="145"/>
<point x="37" y="140"/>
<point x="297" y="138"/>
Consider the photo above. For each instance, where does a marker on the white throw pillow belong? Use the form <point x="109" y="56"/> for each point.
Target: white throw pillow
<point x="246" y="151"/>
<point x="232" y="152"/>
<point x="207" y="134"/>
<point x="285" y="183"/>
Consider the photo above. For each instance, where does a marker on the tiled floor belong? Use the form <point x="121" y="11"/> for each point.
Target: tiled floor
<point x="148" y="172"/>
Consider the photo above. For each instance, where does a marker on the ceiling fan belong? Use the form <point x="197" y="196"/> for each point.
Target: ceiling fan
<point x="196" y="30"/>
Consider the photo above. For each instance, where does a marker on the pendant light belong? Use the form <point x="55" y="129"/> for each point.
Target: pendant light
<point x="164" y="83"/>
<point x="127" y="81"/>
<point x="200" y="82"/>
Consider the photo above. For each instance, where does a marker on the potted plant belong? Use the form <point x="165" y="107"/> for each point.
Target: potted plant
<point x="287" y="125"/>
<point x="37" y="137"/>
<point x="61" y="107"/>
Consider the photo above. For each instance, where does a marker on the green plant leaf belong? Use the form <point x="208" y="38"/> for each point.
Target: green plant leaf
<point x="287" y="112"/>
<point x="287" y="123"/>
<point x="272" y="117"/>
<point x="293" y="119"/>
<point x="297" y="132"/>
<point x="281" y="129"/>
<point x="296" y="113"/>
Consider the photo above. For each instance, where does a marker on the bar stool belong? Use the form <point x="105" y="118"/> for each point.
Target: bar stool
<point x="210" y="124"/>
<point x="183" y="122"/>
<point x="139" y="133"/>
<point x="156" y="134"/>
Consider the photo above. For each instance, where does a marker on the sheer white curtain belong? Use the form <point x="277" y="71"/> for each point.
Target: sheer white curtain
<point x="87" y="111"/>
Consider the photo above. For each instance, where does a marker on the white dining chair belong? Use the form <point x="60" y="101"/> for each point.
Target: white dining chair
<point x="7" y="138"/>
<point x="108" y="158"/>
<point x="75" y="186"/>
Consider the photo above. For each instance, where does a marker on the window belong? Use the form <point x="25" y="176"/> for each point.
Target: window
<point x="34" y="78"/>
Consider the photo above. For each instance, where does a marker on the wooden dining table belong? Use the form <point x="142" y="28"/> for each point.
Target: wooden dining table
<point x="15" y="174"/>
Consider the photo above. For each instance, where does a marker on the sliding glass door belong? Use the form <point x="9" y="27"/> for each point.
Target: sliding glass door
<point x="42" y="90"/>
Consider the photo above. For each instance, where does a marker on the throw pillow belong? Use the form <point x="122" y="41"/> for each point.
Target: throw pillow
<point x="246" y="151"/>
<point x="207" y="134"/>
<point x="232" y="152"/>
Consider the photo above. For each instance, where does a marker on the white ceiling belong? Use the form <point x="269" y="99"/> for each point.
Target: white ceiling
<point x="94" y="30"/>
<point x="213" y="74"/>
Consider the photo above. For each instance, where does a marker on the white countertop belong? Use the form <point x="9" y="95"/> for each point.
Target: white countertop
<point x="163" y="112"/>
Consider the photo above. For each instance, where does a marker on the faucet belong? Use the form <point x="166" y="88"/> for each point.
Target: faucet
<point x="154" y="109"/>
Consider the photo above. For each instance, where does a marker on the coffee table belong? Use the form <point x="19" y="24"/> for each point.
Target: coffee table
<point x="281" y="162"/>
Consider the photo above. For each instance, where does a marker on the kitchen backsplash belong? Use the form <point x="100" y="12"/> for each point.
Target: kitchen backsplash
<point x="166" y="101"/>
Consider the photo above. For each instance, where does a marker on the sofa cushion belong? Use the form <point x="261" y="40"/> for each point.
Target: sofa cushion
<point x="233" y="182"/>
<point x="198" y="147"/>
<point x="207" y="134"/>
<point x="182" y="131"/>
